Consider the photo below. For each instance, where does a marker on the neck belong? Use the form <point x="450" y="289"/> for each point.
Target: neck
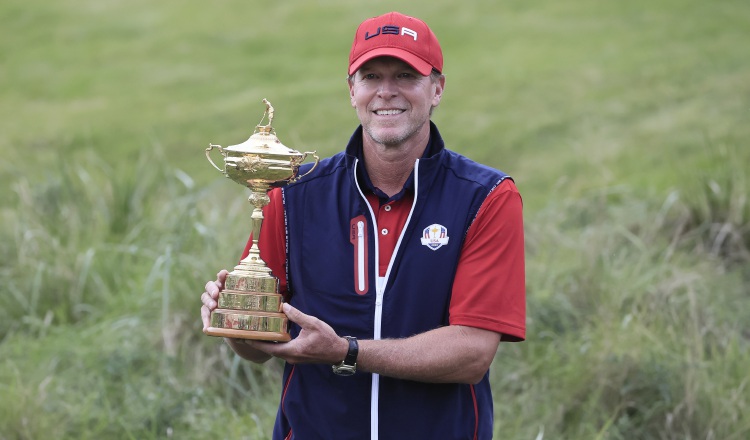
<point x="388" y="166"/>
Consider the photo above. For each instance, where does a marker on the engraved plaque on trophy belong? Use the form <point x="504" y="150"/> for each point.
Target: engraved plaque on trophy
<point x="249" y="307"/>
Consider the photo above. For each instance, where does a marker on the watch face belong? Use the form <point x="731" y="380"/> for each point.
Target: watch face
<point x="344" y="370"/>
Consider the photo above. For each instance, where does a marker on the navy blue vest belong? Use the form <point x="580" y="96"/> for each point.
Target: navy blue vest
<point x="321" y="264"/>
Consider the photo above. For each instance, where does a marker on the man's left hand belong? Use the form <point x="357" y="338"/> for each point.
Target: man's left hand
<point x="317" y="342"/>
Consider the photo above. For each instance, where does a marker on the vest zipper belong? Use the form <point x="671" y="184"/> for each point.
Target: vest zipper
<point x="380" y="288"/>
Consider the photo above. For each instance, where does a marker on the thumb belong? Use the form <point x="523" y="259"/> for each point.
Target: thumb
<point x="295" y="315"/>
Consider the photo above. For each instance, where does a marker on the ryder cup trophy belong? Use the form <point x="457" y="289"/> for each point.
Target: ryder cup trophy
<point x="250" y="304"/>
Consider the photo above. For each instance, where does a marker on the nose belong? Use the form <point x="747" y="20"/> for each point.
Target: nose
<point x="387" y="88"/>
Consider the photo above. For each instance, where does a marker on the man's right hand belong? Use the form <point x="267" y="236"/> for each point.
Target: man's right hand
<point x="210" y="297"/>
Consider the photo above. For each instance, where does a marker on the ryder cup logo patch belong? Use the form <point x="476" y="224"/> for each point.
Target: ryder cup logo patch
<point x="435" y="236"/>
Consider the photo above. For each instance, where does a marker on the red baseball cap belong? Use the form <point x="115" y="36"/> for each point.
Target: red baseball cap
<point x="400" y="36"/>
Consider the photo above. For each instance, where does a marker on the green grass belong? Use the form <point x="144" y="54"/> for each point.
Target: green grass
<point x="625" y="125"/>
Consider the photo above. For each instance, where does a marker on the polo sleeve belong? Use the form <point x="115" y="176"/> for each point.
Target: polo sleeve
<point x="272" y="242"/>
<point x="489" y="290"/>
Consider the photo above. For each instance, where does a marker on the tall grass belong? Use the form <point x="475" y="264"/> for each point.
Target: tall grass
<point x="100" y="336"/>
<point x="644" y="334"/>
<point x="718" y="210"/>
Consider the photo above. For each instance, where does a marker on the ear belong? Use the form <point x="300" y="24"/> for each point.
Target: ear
<point x="439" y="87"/>
<point x="350" y="83"/>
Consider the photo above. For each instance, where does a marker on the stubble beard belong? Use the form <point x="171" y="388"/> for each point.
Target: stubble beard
<point x="390" y="139"/>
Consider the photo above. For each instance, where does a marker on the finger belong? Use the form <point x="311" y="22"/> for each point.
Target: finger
<point x="205" y="317"/>
<point x="221" y="278"/>
<point x="265" y="347"/>
<point x="212" y="289"/>
<point x="296" y="316"/>
<point x="208" y="301"/>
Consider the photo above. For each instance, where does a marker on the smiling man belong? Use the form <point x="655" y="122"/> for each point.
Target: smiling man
<point x="401" y="263"/>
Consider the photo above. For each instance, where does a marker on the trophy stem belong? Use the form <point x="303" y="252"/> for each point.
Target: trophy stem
<point x="252" y="262"/>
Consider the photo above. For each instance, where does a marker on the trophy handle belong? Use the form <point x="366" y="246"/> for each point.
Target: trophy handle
<point x="208" y="154"/>
<point x="317" y="159"/>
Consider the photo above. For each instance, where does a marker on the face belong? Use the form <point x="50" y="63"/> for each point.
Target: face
<point x="393" y="101"/>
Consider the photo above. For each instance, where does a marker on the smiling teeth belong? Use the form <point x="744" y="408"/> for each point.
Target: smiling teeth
<point x="388" y="112"/>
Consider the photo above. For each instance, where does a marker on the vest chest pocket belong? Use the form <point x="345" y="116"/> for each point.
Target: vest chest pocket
<point x="332" y="261"/>
<point x="358" y="239"/>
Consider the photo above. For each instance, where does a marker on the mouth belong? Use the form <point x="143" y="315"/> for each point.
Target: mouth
<point x="389" y="112"/>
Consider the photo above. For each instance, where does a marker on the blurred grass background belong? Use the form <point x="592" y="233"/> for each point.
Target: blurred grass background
<point x="625" y="125"/>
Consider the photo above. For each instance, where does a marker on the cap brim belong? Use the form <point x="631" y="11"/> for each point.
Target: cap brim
<point x="420" y="65"/>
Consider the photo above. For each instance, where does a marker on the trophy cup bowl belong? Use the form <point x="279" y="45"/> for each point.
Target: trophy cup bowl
<point x="249" y="307"/>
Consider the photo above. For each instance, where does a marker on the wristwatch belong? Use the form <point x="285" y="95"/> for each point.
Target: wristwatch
<point x="348" y="366"/>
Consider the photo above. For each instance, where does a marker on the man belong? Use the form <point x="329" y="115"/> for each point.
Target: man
<point x="401" y="263"/>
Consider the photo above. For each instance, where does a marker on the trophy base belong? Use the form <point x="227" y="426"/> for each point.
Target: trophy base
<point x="248" y="334"/>
<point x="249" y="325"/>
<point x="250" y="302"/>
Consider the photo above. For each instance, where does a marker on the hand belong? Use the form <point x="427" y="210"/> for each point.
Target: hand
<point x="317" y="342"/>
<point x="210" y="297"/>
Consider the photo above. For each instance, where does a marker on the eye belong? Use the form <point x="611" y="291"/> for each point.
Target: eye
<point x="369" y="76"/>
<point x="408" y="76"/>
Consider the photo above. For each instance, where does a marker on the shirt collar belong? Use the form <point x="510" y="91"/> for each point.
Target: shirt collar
<point x="355" y="149"/>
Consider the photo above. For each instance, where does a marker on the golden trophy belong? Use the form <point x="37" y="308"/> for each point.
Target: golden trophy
<point x="249" y="307"/>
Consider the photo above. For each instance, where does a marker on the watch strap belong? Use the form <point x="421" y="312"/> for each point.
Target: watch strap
<point x="348" y="366"/>
<point x="351" y="354"/>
